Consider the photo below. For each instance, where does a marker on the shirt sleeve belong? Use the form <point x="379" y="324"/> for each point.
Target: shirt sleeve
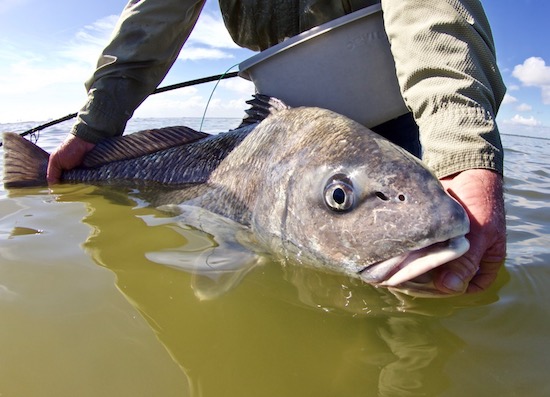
<point x="145" y="43"/>
<point x="446" y="66"/>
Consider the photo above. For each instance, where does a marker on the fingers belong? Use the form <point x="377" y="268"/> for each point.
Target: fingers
<point x="480" y="193"/>
<point x="454" y="277"/>
<point x="473" y="272"/>
<point x="484" y="277"/>
<point x="67" y="156"/>
<point x="53" y="174"/>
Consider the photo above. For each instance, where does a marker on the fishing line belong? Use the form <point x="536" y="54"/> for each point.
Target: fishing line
<point x="214" y="89"/>
<point x="208" y="79"/>
<point x="542" y="138"/>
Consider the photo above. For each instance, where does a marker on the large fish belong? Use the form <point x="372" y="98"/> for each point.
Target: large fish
<point x="305" y="185"/>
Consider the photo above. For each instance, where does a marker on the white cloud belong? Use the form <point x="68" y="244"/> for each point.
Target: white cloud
<point x="223" y="107"/>
<point x="89" y="41"/>
<point x="238" y="85"/>
<point x="41" y="82"/>
<point x="513" y="87"/>
<point x="534" y="73"/>
<point x="508" y="99"/>
<point x="27" y="76"/>
<point x="196" y="54"/>
<point x="524" y="108"/>
<point x="192" y="102"/>
<point x="29" y="72"/>
<point x="210" y="30"/>
<point x="185" y="103"/>
<point x="208" y="40"/>
<point x="520" y="120"/>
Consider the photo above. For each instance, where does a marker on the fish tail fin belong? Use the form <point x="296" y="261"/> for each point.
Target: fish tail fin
<point x="25" y="164"/>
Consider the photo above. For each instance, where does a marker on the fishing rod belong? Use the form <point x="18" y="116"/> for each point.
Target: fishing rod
<point x="189" y="83"/>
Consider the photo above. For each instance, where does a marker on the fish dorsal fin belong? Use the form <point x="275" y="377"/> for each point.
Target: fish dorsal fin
<point x="25" y="164"/>
<point x="261" y="107"/>
<point x="140" y="144"/>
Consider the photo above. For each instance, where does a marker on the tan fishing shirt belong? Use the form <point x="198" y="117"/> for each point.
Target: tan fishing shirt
<point x="443" y="50"/>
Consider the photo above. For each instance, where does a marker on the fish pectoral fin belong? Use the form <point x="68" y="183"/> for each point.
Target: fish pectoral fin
<point x="215" y="270"/>
<point x="170" y="209"/>
<point x="214" y="284"/>
<point x="219" y="252"/>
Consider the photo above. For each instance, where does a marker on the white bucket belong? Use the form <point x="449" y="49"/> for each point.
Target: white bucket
<point x="344" y="65"/>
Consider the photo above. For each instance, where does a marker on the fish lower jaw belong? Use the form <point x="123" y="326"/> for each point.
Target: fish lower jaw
<point x="410" y="265"/>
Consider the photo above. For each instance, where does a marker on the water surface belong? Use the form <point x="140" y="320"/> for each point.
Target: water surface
<point x="84" y="312"/>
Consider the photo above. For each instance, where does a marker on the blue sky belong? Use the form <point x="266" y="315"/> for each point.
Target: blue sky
<point x="49" y="48"/>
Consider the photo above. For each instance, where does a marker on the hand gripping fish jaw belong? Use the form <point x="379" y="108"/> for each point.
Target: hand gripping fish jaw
<point x="412" y="269"/>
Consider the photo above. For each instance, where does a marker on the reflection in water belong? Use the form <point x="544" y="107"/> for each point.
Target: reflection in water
<point x="284" y="330"/>
<point x="421" y="352"/>
<point x="65" y="329"/>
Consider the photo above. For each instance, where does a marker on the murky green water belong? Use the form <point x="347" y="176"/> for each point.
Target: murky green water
<point x="84" y="312"/>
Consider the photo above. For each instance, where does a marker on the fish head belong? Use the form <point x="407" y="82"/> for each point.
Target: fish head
<point x="348" y="200"/>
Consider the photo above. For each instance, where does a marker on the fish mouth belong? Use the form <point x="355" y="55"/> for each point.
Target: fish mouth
<point x="410" y="265"/>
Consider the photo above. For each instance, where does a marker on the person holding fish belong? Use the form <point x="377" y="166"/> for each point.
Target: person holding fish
<point x="446" y="67"/>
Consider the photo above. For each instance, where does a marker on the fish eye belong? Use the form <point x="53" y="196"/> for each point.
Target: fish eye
<point x="339" y="193"/>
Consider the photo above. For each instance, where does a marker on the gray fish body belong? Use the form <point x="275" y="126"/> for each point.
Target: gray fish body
<point x="312" y="187"/>
<point x="280" y="179"/>
<point x="187" y="163"/>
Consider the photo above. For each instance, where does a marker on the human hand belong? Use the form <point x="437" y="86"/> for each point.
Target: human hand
<point x="67" y="156"/>
<point x="481" y="194"/>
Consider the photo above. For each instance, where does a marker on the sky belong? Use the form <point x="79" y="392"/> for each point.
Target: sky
<point x="49" y="48"/>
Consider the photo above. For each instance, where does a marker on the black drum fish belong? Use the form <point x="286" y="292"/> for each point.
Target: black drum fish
<point x="306" y="185"/>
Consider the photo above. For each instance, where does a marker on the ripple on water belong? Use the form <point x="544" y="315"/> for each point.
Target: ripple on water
<point x="81" y="305"/>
